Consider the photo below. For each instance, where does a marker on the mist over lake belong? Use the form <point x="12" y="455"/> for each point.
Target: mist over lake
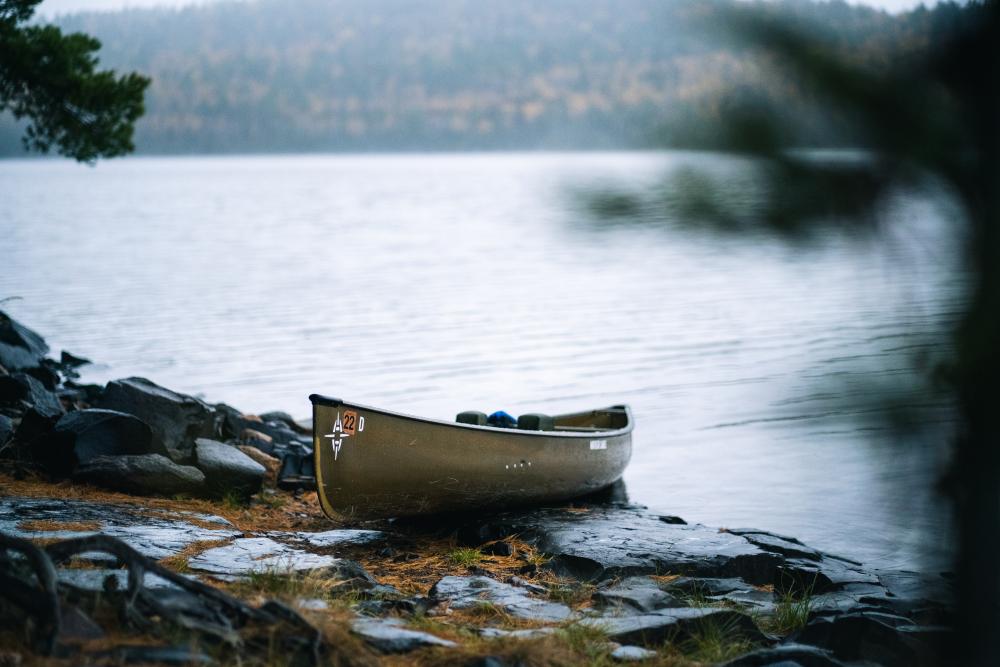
<point x="432" y="284"/>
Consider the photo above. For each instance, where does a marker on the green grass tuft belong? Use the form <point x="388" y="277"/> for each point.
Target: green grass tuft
<point x="234" y="500"/>
<point x="274" y="501"/>
<point x="465" y="556"/>
<point x="790" y="614"/>
<point x="714" y="642"/>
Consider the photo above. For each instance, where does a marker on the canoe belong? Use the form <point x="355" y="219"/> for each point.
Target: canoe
<point x="373" y="463"/>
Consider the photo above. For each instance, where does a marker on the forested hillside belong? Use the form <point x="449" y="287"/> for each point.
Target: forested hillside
<point x="321" y="75"/>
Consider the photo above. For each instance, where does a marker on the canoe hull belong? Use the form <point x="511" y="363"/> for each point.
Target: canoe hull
<point x="371" y="463"/>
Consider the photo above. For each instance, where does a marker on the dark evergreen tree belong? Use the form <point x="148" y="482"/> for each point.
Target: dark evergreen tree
<point x="51" y="79"/>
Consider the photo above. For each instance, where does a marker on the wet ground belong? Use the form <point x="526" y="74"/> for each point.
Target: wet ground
<point x="609" y="581"/>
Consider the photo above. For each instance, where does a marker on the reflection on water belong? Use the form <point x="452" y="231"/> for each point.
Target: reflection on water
<point x="435" y="284"/>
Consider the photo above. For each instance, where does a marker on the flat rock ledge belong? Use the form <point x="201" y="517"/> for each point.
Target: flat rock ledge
<point x="151" y="533"/>
<point x="646" y="581"/>
<point x="601" y="543"/>
<point x="658" y="578"/>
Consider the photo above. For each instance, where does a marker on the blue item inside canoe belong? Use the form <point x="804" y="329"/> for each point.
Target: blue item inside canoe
<point x="501" y="419"/>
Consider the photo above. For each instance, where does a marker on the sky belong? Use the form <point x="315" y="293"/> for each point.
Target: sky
<point x="52" y="7"/>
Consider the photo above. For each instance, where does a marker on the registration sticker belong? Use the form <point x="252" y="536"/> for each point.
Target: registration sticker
<point x="350" y="422"/>
<point x="598" y="444"/>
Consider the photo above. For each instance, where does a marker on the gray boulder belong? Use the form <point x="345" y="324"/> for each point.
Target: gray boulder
<point x="274" y="430"/>
<point x="47" y="374"/>
<point x="35" y="425"/>
<point x="82" y="436"/>
<point x="20" y="347"/>
<point x="286" y="419"/>
<point x="390" y="635"/>
<point x="176" y="420"/>
<point x="227" y="469"/>
<point x="22" y="389"/>
<point x="470" y="592"/>
<point x="143" y="475"/>
<point x="70" y="360"/>
<point x="636" y="593"/>
<point x="886" y="639"/>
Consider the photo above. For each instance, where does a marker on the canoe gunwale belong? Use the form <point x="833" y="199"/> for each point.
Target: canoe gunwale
<point x="320" y="400"/>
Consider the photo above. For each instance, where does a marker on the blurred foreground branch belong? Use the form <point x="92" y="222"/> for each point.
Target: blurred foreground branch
<point x="930" y="115"/>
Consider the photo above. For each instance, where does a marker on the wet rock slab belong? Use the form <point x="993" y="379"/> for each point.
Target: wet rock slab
<point x="673" y="624"/>
<point x="605" y="542"/>
<point x="879" y="637"/>
<point x="390" y="635"/>
<point x="248" y="555"/>
<point x="146" y="531"/>
<point x="470" y="592"/>
<point x="335" y="538"/>
<point x="788" y="655"/>
<point x="786" y="546"/>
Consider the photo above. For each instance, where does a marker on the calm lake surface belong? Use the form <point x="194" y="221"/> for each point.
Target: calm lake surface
<point x="432" y="284"/>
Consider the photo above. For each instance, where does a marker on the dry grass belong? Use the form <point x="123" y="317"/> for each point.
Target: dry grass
<point x="570" y="646"/>
<point x="413" y="570"/>
<point x="296" y="513"/>
<point x="428" y="559"/>
<point x="179" y="561"/>
<point x="51" y="525"/>
<point x="280" y="584"/>
<point x="344" y="648"/>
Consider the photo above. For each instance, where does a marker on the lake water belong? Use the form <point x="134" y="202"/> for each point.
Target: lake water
<point x="432" y="284"/>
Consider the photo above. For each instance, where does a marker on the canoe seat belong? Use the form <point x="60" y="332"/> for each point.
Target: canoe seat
<point x="471" y="417"/>
<point x="534" y="421"/>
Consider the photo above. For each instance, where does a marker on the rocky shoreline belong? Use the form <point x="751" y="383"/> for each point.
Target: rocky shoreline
<point x="227" y="559"/>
